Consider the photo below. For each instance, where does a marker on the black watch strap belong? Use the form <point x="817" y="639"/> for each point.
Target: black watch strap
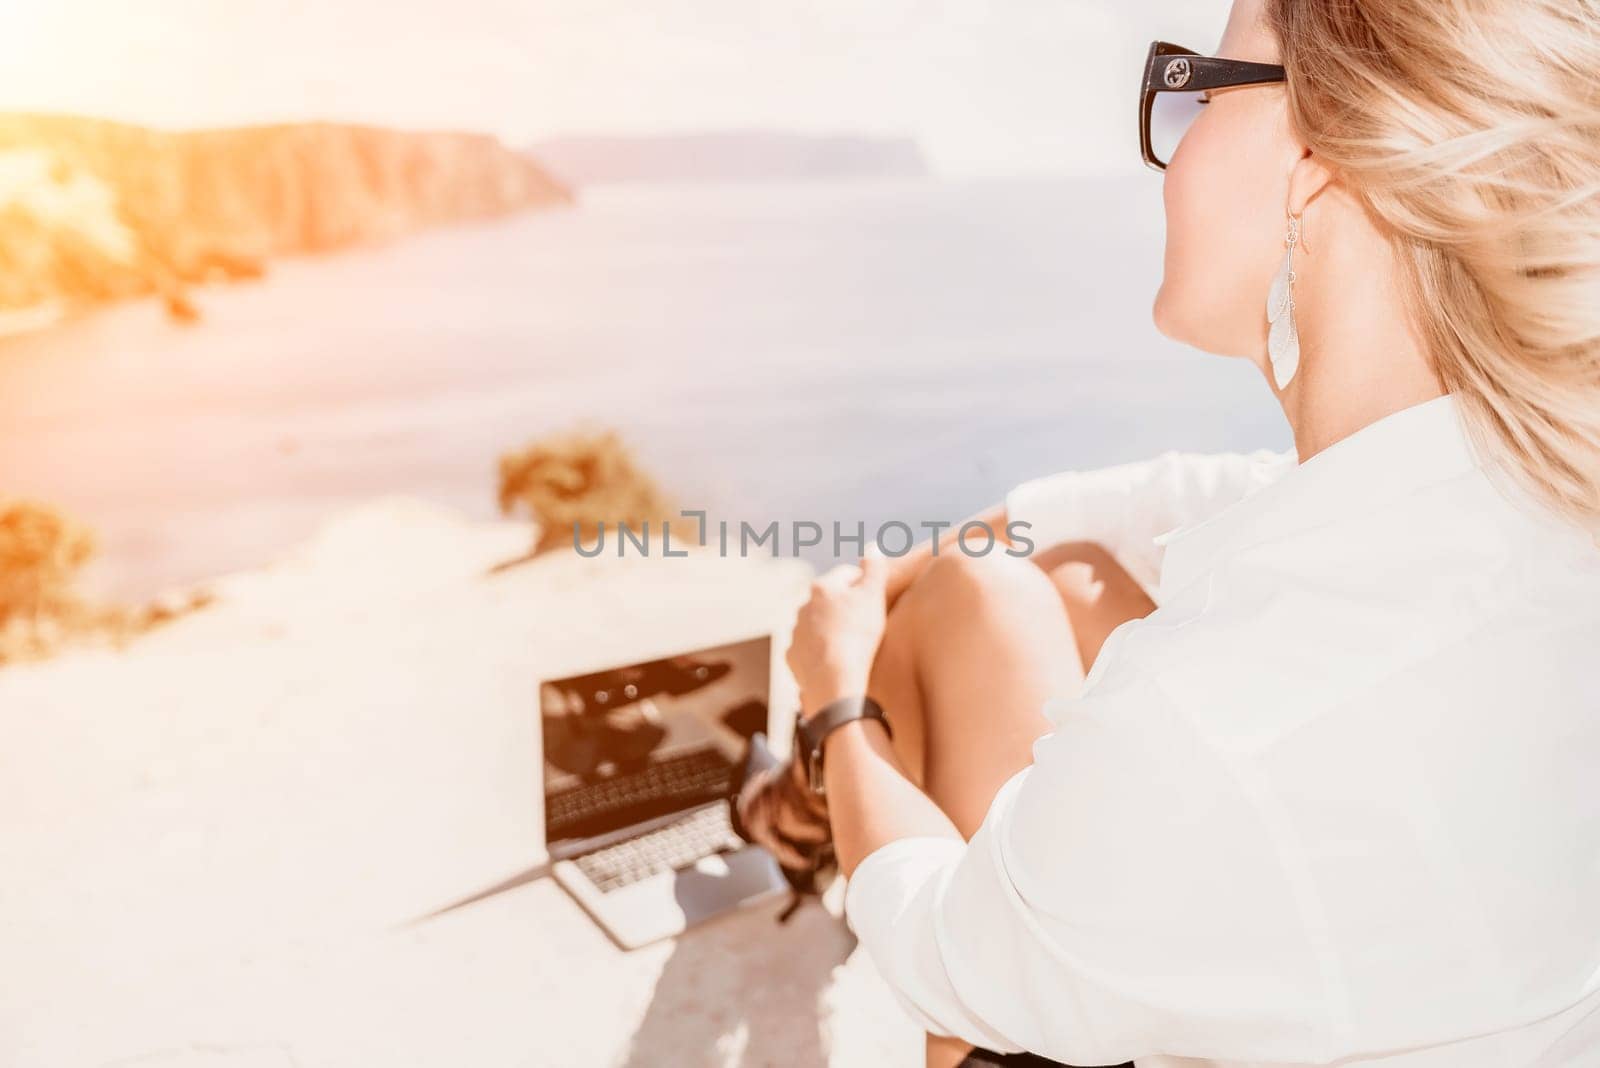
<point x="812" y="731"/>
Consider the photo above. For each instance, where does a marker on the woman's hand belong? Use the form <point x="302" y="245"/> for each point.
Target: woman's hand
<point x="837" y="633"/>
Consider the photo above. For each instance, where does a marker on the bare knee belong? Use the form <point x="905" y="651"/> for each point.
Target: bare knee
<point x="955" y="583"/>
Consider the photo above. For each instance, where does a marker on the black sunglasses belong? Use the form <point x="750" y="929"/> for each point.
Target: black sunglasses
<point x="1170" y="95"/>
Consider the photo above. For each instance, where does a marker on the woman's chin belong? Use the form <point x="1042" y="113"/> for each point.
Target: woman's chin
<point x="1195" y="328"/>
<point x="1158" y="313"/>
<point x="1170" y="319"/>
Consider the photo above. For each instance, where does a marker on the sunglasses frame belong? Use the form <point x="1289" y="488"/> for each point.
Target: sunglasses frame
<point x="1171" y="68"/>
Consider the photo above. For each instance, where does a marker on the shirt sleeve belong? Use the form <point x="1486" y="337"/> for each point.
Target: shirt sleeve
<point x="1125" y="506"/>
<point x="1123" y="897"/>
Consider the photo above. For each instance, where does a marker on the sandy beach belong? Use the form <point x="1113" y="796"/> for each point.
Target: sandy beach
<point x="236" y="842"/>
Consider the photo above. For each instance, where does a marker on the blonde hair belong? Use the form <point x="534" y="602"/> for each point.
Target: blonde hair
<point x="1470" y="131"/>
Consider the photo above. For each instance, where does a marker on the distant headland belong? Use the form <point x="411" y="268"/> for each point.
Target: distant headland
<point x="728" y="156"/>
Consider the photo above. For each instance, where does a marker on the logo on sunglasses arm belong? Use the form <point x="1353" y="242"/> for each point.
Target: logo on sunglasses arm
<point x="1178" y="73"/>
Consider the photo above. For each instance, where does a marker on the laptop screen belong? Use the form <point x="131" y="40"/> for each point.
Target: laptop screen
<point x="648" y="739"/>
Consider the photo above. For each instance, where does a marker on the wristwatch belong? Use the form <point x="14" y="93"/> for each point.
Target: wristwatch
<point x="810" y="732"/>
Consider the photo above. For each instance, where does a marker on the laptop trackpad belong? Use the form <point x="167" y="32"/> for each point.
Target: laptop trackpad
<point x="716" y="883"/>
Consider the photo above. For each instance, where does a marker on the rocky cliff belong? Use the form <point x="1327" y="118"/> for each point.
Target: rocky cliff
<point x="94" y="210"/>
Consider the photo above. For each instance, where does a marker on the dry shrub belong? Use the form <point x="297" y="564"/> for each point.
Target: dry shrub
<point x="41" y="612"/>
<point x="581" y="477"/>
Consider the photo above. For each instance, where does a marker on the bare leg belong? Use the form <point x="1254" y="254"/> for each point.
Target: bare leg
<point x="944" y="1052"/>
<point x="975" y="647"/>
<point x="971" y="653"/>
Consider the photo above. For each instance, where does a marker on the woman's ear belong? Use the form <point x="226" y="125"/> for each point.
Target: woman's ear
<point x="1308" y="179"/>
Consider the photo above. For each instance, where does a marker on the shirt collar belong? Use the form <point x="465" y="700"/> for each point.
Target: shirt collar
<point x="1385" y="460"/>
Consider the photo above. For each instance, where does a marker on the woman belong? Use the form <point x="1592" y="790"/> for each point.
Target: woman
<point x="1328" y="792"/>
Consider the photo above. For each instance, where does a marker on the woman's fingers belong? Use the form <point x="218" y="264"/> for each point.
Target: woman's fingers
<point x="874" y="572"/>
<point x="837" y="577"/>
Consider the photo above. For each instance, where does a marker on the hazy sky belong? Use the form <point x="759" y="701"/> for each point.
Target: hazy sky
<point x="987" y="86"/>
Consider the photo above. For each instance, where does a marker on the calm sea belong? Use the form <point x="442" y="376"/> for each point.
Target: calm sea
<point x="846" y="352"/>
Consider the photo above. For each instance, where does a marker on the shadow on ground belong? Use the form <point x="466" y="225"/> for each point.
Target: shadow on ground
<point x="744" y="990"/>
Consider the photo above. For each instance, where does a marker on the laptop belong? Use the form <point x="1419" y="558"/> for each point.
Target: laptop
<point x="638" y="760"/>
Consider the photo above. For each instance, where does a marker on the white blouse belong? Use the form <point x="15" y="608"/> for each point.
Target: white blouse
<point x="1336" y="799"/>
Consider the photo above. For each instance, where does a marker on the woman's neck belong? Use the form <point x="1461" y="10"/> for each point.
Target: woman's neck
<point x="1360" y="360"/>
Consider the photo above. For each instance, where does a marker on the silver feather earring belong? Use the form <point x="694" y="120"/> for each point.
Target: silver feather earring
<point x="1283" y="340"/>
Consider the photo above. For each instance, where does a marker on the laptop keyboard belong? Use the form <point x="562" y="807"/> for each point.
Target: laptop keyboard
<point x="668" y="848"/>
<point x="665" y="786"/>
